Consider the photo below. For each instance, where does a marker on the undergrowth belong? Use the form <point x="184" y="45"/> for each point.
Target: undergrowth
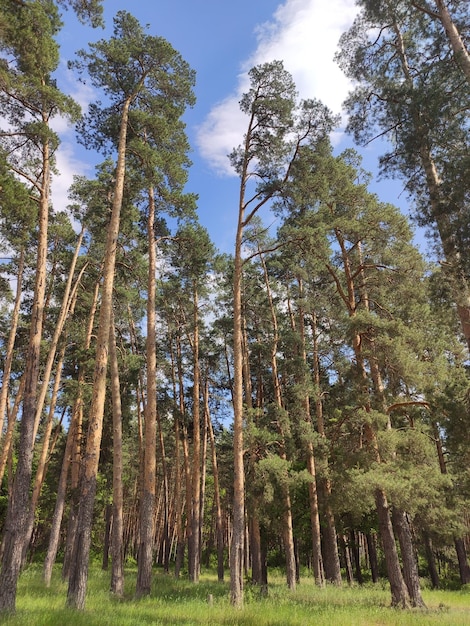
<point x="179" y="602"/>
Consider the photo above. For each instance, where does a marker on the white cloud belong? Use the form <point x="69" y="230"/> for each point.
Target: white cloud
<point x="303" y="34"/>
<point x="68" y="165"/>
<point x="68" y="161"/>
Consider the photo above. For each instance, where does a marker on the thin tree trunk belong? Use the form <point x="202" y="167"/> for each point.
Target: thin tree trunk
<point x="67" y="306"/>
<point x="12" y="415"/>
<point x="108" y="520"/>
<point x="149" y="468"/>
<point x="45" y="452"/>
<point x="81" y="551"/>
<point x="117" y="536"/>
<point x="372" y="552"/>
<point x="432" y="568"/>
<point x="203" y="476"/>
<point x="9" y="349"/>
<point x="288" y="534"/>
<point x="178" y="477"/>
<point x="16" y="522"/>
<point x="218" y="506"/>
<point x="237" y="544"/>
<point x="317" y="561"/>
<point x="347" y="560"/>
<point x="72" y="458"/>
<point x="194" y="551"/>
<point x="355" y="551"/>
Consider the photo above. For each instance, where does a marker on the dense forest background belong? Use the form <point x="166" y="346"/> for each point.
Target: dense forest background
<point x="303" y="403"/>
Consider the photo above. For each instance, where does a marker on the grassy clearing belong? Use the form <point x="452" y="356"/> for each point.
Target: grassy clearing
<point x="182" y="603"/>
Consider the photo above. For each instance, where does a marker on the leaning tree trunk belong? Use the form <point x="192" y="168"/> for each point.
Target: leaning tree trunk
<point x="16" y="522"/>
<point x="12" y="415"/>
<point x="459" y="49"/>
<point x="9" y="349"/>
<point x="81" y="550"/>
<point x="458" y="281"/>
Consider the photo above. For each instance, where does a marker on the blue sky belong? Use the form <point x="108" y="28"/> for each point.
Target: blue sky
<point x="222" y="40"/>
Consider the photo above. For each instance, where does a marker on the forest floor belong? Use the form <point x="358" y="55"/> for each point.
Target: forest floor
<point x="179" y="602"/>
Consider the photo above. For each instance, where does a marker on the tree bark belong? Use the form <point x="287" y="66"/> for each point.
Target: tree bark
<point x="458" y="282"/>
<point x="9" y="349"/>
<point x="288" y="534"/>
<point x="400" y="595"/>
<point x="195" y="551"/>
<point x="81" y="550"/>
<point x="219" y="526"/>
<point x="16" y="523"/>
<point x="149" y="468"/>
<point x="432" y="568"/>
<point x="70" y="461"/>
<point x="12" y="415"/>
<point x="117" y="533"/>
<point x="408" y="557"/>
<point x="458" y="46"/>
<point x="317" y="560"/>
<point x="178" y="476"/>
<point x="372" y="553"/>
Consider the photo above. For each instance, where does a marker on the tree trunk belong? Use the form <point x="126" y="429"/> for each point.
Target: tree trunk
<point x="195" y="550"/>
<point x="149" y="468"/>
<point x="458" y="46"/>
<point x="117" y="536"/>
<point x="12" y="415"/>
<point x="16" y="522"/>
<point x="67" y="306"/>
<point x="330" y="558"/>
<point x="288" y="535"/>
<point x="178" y="477"/>
<point x="218" y="507"/>
<point x="458" y="282"/>
<point x="355" y="551"/>
<point x="71" y="460"/>
<point x="464" y="568"/>
<point x="459" y="543"/>
<point x="166" y="500"/>
<point x="372" y="551"/>
<point x="238" y="530"/>
<point x="9" y="349"/>
<point x="347" y="560"/>
<point x="432" y="568"/>
<point x="45" y="451"/>
<point x="400" y="595"/>
<point x="408" y="557"/>
<point x="108" y="520"/>
<point x="81" y="550"/>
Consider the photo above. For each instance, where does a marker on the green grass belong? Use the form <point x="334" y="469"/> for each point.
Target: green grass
<point x="174" y="603"/>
